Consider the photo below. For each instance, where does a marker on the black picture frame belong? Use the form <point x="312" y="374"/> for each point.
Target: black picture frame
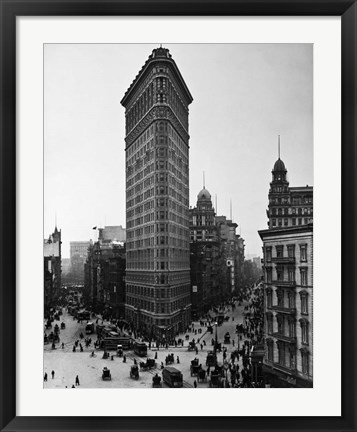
<point x="10" y="9"/>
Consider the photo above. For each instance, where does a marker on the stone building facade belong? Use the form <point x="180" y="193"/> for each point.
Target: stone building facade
<point x="206" y="260"/>
<point x="288" y="292"/>
<point x="104" y="281"/>
<point x="52" y="268"/>
<point x="288" y="206"/>
<point x="157" y="198"/>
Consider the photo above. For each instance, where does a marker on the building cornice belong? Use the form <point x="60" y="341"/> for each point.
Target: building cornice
<point x="274" y="232"/>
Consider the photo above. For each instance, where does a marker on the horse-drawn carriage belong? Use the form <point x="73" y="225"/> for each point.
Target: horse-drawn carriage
<point x="227" y="338"/>
<point x="219" y="369"/>
<point x="63" y="325"/>
<point x="53" y="337"/>
<point x="149" y="364"/>
<point x="195" y="367"/>
<point x="202" y="377"/>
<point x="191" y="346"/>
<point x="156" y="381"/>
<point x="134" y="372"/>
<point x="211" y="359"/>
<point x="216" y="380"/>
<point x="210" y="329"/>
<point x="170" y="359"/>
<point x="106" y="375"/>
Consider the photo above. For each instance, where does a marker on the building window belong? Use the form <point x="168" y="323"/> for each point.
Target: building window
<point x="292" y="358"/>
<point x="291" y="275"/>
<point x="291" y="299"/>
<point x="292" y="328"/>
<point x="280" y="274"/>
<point x="270" y="323"/>
<point x="270" y="347"/>
<point x="279" y="251"/>
<point x="303" y="252"/>
<point x="303" y="299"/>
<point x="305" y="361"/>
<point x="269" y="298"/>
<point x="285" y="222"/>
<point x="291" y="251"/>
<point x="304" y="331"/>
<point x="268" y="253"/>
<point x="281" y="353"/>
<point x="280" y="321"/>
<point x="269" y="272"/>
<point x="294" y="221"/>
<point x="280" y="297"/>
<point x="303" y="276"/>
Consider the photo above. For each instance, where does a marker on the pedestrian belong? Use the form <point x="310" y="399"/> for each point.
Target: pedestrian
<point x="178" y="359"/>
<point x="124" y="358"/>
<point x="53" y="374"/>
<point x="45" y="377"/>
<point x="77" y="380"/>
<point x="81" y="348"/>
<point x="196" y="350"/>
<point x="195" y="384"/>
<point x="156" y="355"/>
<point x="201" y="346"/>
<point x="74" y="348"/>
<point x="62" y="345"/>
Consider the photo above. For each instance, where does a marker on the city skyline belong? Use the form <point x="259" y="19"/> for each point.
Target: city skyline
<point x="268" y="85"/>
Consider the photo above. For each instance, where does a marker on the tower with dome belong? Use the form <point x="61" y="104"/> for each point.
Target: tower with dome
<point x="288" y="283"/>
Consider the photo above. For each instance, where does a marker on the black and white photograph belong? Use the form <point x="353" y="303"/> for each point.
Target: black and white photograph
<point x="178" y="215"/>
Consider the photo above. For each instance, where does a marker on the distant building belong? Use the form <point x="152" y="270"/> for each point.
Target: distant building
<point x="206" y="261"/>
<point x="115" y="233"/>
<point x="157" y="198"/>
<point x="66" y="266"/>
<point x="288" y="206"/>
<point x="104" y="284"/>
<point x="52" y="269"/>
<point x="233" y="249"/>
<point x="288" y="283"/>
<point x="78" y="255"/>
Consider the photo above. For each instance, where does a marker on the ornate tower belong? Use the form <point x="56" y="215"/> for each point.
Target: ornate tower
<point x="157" y="198"/>
<point x="279" y="195"/>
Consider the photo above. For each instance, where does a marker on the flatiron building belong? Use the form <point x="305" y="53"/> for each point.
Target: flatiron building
<point x="157" y="198"/>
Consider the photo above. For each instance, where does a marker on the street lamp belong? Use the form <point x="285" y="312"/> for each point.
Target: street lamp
<point x="216" y="340"/>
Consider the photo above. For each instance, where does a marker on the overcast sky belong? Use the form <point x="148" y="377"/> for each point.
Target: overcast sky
<point x="245" y="95"/>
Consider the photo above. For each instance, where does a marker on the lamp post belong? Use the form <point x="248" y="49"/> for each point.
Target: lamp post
<point x="216" y="340"/>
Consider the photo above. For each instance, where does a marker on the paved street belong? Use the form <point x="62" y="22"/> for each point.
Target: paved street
<point x="68" y="364"/>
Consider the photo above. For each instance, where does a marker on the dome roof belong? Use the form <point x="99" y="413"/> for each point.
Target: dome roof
<point x="204" y="194"/>
<point x="279" y="166"/>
